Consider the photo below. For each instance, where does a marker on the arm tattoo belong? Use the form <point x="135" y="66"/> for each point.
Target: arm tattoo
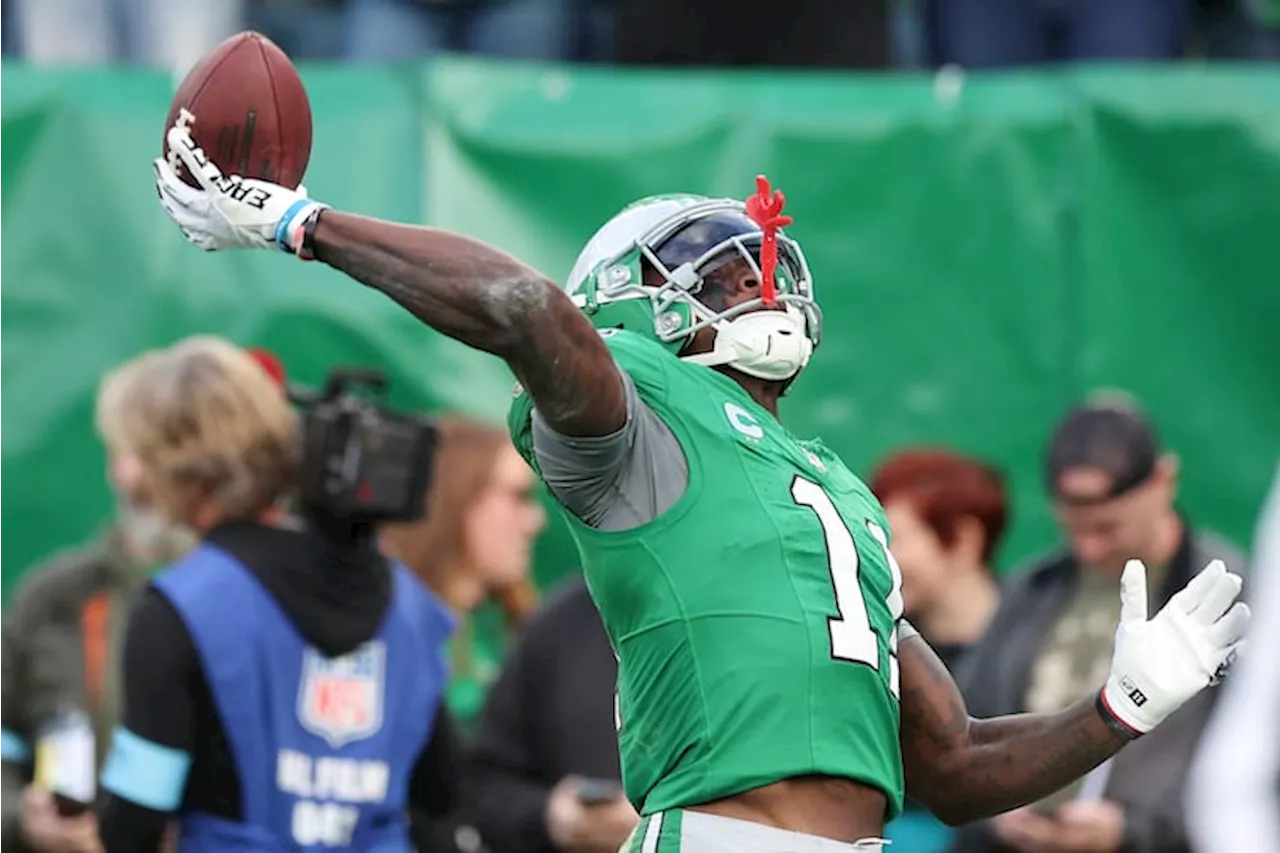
<point x="965" y="769"/>
<point x="486" y="299"/>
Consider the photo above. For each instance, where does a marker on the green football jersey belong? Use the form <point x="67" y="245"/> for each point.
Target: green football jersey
<point x="755" y="621"/>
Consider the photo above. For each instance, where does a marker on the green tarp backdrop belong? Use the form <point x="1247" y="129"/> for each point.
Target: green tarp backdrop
<point x="985" y="249"/>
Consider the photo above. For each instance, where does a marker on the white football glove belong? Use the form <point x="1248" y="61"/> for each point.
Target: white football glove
<point x="230" y="212"/>
<point x="1161" y="663"/>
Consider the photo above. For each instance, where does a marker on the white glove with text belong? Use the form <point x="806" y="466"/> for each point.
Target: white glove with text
<point x="228" y="211"/>
<point x="1161" y="663"/>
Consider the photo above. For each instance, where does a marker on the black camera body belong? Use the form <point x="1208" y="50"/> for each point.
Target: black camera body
<point x="361" y="462"/>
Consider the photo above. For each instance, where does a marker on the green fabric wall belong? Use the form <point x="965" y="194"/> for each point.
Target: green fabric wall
<point x="984" y="252"/>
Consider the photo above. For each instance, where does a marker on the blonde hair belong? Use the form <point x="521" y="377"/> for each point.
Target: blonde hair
<point x="206" y="422"/>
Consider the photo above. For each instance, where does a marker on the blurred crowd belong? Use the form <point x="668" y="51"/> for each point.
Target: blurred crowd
<point x="532" y="760"/>
<point x="867" y="34"/>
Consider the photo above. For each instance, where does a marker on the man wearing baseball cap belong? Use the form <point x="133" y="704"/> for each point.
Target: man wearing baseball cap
<point x="1113" y="489"/>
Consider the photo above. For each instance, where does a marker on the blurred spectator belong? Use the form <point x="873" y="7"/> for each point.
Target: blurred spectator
<point x="812" y="34"/>
<point x="1220" y="29"/>
<point x="908" y="35"/>
<point x="991" y="33"/>
<point x="475" y="543"/>
<point x="1265" y="40"/>
<point x="1237" y="29"/>
<point x="593" y="30"/>
<point x="61" y="648"/>
<point x="1233" y="797"/>
<point x="163" y="33"/>
<point x="283" y="681"/>
<point x="395" y="30"/>
<point x="304" y="29"/>
<point x="1050" y="643"/>
<point x="947" y="514"/>
<point x="547" y="736"/>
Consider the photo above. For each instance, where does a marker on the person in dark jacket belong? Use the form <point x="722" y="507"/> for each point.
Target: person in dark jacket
<point x="61" y="654"/>
<point x="544" y="761"/>
<point x="283" y="680"/>
<point x="1050" y="642"/>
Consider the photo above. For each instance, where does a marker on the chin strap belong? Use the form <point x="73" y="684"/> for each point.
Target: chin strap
<point x="765" y="344"/>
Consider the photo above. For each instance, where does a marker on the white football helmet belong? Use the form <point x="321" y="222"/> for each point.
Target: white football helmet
<point x="685" y="238"/>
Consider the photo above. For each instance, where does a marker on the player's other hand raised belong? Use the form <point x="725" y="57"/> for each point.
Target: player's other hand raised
<point x="1162" y="662"/>
<point x="227" y="211"/>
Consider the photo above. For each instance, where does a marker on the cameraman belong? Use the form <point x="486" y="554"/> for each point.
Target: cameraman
<point x="282" y="681"/>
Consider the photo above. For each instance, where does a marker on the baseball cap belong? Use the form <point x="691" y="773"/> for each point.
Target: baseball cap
<point x="1108" y="433"/>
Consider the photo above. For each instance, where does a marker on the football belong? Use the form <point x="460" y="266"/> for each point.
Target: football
<point x="247" y="108"/>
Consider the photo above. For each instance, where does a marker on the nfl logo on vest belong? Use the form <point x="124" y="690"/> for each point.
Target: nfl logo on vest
<point x="340" y="699"/>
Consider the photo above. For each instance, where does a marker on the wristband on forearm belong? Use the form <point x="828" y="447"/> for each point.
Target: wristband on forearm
<point x="1114" y="722"/>
<point x="307" y="247"/>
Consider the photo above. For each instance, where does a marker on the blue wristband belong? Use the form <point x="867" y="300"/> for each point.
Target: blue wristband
<point x="282" y="227"/>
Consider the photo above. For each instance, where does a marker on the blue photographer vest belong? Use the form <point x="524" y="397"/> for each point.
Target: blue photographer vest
<point x="323" y="747"/>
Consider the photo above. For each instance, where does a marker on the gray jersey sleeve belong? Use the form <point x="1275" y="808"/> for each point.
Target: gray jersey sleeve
<point x="618" y="481"/>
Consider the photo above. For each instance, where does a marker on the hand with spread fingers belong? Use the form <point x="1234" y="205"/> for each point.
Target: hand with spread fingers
<point x="1161" y="663"/>
<point x="228" y="211"/>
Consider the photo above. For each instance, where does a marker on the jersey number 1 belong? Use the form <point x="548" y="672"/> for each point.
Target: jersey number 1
<point x="852" y="637"/>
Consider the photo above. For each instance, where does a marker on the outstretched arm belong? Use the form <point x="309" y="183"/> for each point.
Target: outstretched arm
<point x="486" y="299"/>
<point x="461" y="287"/>
<point x="964" y="769"/>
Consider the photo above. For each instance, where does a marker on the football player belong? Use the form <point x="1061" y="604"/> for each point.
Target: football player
<point x="770" y="695"/>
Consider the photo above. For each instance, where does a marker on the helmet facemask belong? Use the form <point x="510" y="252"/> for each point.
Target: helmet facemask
<point x="684" y="251"/>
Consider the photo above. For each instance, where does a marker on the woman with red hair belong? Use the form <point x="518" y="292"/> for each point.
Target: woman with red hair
<point x="947" y="513"/>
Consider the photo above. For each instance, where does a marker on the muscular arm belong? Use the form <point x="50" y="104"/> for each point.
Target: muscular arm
<point x="964" y="769"/>
<point x="488" y="300"/>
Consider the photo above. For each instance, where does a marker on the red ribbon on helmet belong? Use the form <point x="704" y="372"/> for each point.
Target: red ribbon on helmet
<point x="765" y="209"/>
